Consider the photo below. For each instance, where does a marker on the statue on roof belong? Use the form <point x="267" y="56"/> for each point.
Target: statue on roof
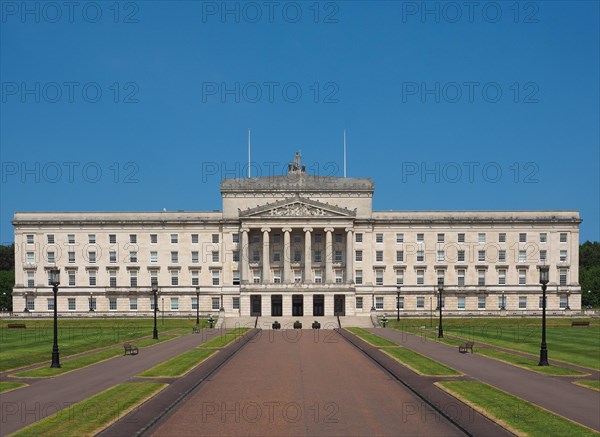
<point x="295" y="167"/>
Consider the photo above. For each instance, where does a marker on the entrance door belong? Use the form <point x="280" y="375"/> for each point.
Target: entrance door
<point x="297" y="305"/>
<point x="318" y="305"/>
<point x="255" y="306"/>
<point x="339" y="305"/>
<point x="276" y="305"/>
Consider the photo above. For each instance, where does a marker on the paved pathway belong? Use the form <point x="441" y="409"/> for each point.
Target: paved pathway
<point x="45" y="396"/>
<point x="303" y="383"/>
<point x="554" y="393"/>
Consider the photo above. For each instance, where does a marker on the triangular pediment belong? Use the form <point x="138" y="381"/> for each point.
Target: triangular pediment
<point x="298" y="207"/>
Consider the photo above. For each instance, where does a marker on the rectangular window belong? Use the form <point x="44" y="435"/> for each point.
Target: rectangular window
<point x="50" y="238"/>
<point x="235" y="303"/>
<point x="339" y="276"/>
<point x="174" y="257"/>
<point x="133" y="304"/>
<point x="563" y="302"/>
<point x="29" y="238"/>
<point x="543" y="255"/>
<point x="400" y="303"/>
<point x="359" y="238"/>
<point x="216" y="277"/>
<point x="502" y="277"/>
<point x="71" y="239"/>
<point x="174" y="304"/>
<point x="153" y="257"/>
<point x="298" y="256"/>
<point x="399" y="256"/>
<point x="195" y="277"/>
<point x="236" y="277"/>
<point x="522" y="256"/>
<point x="174" y="238"/>
<point x="543" y="237"/>
<point x="235" y="238"/>
<point x="481" y="302"/>
<point x="318" y="256"/>
<point x="72" y="304"/>
<point x="195" y="257"/>
<point x="440" y="256"/>
<point x="30" y="303"/>
<point x="460" y="302"/>
<point x="359" y="303"/>
<point x="501" y="302"/>
<point x="256" y="276"/>
<point x="420" y="302"/>
<point x="194" y="238"/>
<point x="30" y="279"/>
<point x="399" y="277"/>
<point x="379" y="256"/>
<point x="502" y="237"/>
<point x="562" y="275"/>
<point x="133" y="238"/>
<point x="541" y="302"/>
<point x="215" y="238"/>
<point x="563" y="255"/>
<point x="318" y="276"/>
<point x="318" y="238"/>
<point x="256" y="256"/>
<point x="50" y="304"/>
<point x="522" y="277"/>
<point x="522" y="237"/>
<point x="277" y="256"/>
<point x="256" y="238"/>
<point x="235" y="256"/>
<point x="112" y="255"/>
<point x="563" y="237"/>
<point x="481" y="255"/>
<point x="133" y="257"/>
<point x="215" y="303"/>
<point x="194" y="303"/>
<point x="378" y="238"/>
<point x="71" y="274"/>
<point x="400" y="238"/>
<point x="31" y="257"/>
<point x="358" y="278"/>
<point x="153" y="238"/>
<point x="92" y="278"/>
<point x="338" y="238"/>
<point x="71" y="257"/>
<point x="522" y="302"/>
<point x="359" y="255"/>
<point x="378" y="302"/>
<point x="92" y="238"/>
<point x="440" y="238"/>
<point x="337" y="256"/>
<point x="174" y="277"/>
<point x="481" y="277"/>
<point x="502" y="255"/>
<point x="420" y="238"/>
<point x="51" y="258"/>
<point x="461" y="277"/>
<point x="461" y="256"/>
<point x="378" y="276"/>
<point x="92" y="257"/>
<point x="277" y="276"/>
<point x="112" y="304"/>
<point x="133" y="282"/>
<point x="461" y="237"/>
<point x="420" y="277"/>
<point x="481" y="238"/>
<point x="112" y="278"/>
<point x="420" y="256"/>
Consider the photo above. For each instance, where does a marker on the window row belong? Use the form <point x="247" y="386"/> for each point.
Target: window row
<point x="131" y="238"/>
<point x="481" y="237"/>
<point x="460" y="256"/>
<point x="482" y="302"/>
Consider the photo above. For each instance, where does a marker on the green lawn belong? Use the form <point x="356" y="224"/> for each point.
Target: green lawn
<point x="88" y="417"/>
<point x="371" y="338"/>
<point x="22" y="347"/>
<point x="179" y="365"/>
<point x="224" y="339"/>
<point x="518" y="415"/>
<point x="7" y="386"/>
<point x="528" y="363"/>
<point x="420" y="364"/>
<point x="576" y="345"/>
<point x="595" y="385"/>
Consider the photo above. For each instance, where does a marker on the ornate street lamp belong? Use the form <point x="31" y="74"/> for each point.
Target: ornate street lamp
<point x="398" y="289"/>
<point x="440" y="292"/>
<point x="91" y="302"/>
<point x="54" y="277"/>
<point x="155" y="292"/>
<point x="544" y="279"/>
<point x="26" y="310"/>
<point x="503" y="306"/>
<point x="568" y="294"/>
<point x="197" y="306"/>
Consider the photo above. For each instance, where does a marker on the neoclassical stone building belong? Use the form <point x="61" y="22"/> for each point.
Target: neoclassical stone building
<point x="297" y="245"/>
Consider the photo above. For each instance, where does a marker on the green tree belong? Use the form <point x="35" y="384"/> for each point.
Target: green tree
<point x="7" y="282"/>
<point x="7" y="257"/>
<point x="589" y="273"/>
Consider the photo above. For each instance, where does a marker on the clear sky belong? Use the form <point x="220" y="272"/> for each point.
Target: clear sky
<point x="140" y="106"/>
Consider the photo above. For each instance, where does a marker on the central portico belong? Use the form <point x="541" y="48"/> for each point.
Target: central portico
<point x="296" y="241"/>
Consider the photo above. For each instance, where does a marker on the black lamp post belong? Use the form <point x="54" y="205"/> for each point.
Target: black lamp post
<point x="373" y="301"/>
<point x="26" y="310"/>
<point x="197" y="306"/>
<point x="544" y="279"/>
<point x="440" y="292"/>
<point x="398" y="289"/>
<point x="568" y="307"/>
<point x="55" y="282"/>
<point x="222" y="308"/>
<point x="503" y="306"/>
<point x="155" y="291"/>
<point x="91" y="302"/>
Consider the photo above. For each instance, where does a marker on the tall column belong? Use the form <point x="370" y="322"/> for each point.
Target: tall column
<point x="329" y="279"/>
<point x="266" y="266"/>
<point x="307" y="256"/>
<point x="349" y="255"/>
<point x="287" y="269"/>
<point x="244" y="259"/>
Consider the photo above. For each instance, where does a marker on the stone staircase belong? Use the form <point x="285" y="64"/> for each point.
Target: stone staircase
<point x="287" y="322"/>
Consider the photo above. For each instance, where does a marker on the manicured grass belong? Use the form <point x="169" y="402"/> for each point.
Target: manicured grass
<point x="371" y="338"/>
<point x="90" y="416"/>
<point x="70" y="365"/>
<point x="8" y="386"/>
<point x="595" y="385"/>
<point x="519" y="416"/>
<point x="420" y="364"/>
<point x="180" y="364"/>
<point x="576" y="345"/>
<point x="23" y="347"/>
<point x="528" y="363"/>
<point x="224" y="339"/>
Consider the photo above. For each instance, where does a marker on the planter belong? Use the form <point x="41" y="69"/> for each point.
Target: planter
<point x="276" y="325"/>
<point x="316" y="325"/>
<point x="297" y="325"/>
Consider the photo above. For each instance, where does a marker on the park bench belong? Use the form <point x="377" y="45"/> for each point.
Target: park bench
<point x="130" y="349"/>
<point x="580" y="323"/>
<point x="464" y="347"/>
<point x="17" y="325"/>
<point x="195" y="330"/>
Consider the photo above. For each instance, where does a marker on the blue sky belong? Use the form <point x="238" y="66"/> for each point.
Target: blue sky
<point x="140" y="106"/>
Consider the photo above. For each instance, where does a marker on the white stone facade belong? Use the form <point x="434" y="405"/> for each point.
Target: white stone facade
<point x="297" y="245"/>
